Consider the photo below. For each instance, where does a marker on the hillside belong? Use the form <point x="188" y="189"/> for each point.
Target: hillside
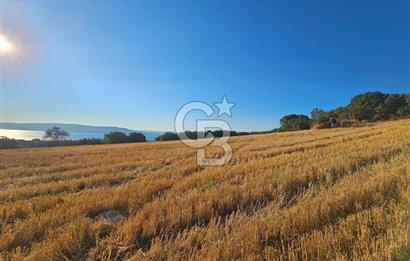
<point x="311" y="195"/>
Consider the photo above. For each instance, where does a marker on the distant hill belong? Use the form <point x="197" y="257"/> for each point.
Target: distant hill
<point x="76" y="128"/>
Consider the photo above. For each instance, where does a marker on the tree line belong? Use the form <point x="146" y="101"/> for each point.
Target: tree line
<point x="366" y="107"/>
<point x="167" y="136"/>
<point x="55" y="136"/>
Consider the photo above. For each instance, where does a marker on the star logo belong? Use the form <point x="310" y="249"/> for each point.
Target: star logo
<point x="225" y="107"/>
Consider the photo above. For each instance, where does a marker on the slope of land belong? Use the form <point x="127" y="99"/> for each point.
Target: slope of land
<point x="312" y="195"/>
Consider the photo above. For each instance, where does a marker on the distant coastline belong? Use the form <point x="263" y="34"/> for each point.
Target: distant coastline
<point x="29" y="131"/>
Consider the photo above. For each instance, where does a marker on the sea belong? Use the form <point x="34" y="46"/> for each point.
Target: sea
<point x="31" y="134"/>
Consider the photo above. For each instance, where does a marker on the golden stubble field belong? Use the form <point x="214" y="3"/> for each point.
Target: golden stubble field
<point x="309" y="195"/>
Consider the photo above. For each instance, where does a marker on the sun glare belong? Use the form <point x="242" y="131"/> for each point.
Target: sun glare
<point x="6" y="47"/>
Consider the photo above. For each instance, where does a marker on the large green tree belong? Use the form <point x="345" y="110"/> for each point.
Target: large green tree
<point x="363" y="106"/>
<point x="294" y="122"/>
<point x="320" y="116"/>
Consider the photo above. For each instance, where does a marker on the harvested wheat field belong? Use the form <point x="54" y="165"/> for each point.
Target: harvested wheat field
<point x="309" y="195"/>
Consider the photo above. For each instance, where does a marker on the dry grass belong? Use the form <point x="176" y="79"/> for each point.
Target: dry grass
<point x="311" y="195"/>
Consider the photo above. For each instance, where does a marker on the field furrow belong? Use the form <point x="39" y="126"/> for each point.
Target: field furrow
<point x="312" y="195"/>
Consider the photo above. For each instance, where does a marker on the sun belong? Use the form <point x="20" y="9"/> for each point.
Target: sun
<point x="6" y="46"/>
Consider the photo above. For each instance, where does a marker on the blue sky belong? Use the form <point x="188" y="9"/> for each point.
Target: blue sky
<point x="134" y="63"/>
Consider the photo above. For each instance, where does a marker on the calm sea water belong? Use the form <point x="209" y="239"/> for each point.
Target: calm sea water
<point x="29" y="134"/>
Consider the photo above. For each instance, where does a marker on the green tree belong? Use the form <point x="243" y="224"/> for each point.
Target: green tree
<point x="404" y="111"/>
<point x="407" y="99"/>
<point x="116" y="137"/>
<point x="391" y="107"/>
<point x="294" y="122"/>
<point x="381" y="112"/>
<point x="341" y="113"/>
<point x="320" y="116"/>
<point x="167" y="136"/>
<point x="136" y="137"/>
<point x="363" y="106"/>
<point x="56" y="134"/>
